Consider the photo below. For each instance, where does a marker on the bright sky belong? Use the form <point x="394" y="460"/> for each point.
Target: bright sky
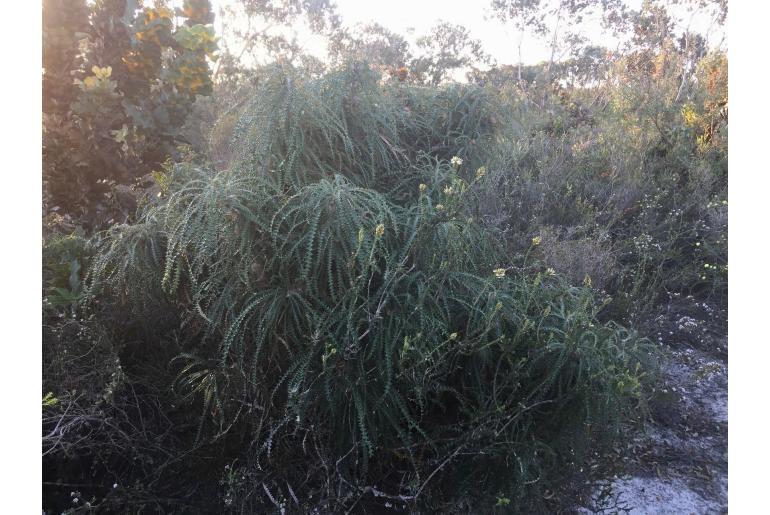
<point x="413" y="18"/>
<point x="498" y="39"/>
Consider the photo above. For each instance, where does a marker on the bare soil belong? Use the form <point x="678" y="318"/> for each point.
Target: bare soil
<point x="678" y="463"/>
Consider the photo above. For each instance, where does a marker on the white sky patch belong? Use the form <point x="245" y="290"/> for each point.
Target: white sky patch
<point x="414" y="18"/>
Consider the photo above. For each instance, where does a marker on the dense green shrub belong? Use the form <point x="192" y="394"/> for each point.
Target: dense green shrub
<point x="355" y="333"/>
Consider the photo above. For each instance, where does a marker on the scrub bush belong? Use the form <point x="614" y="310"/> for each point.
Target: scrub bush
<point x="350" y="330"/>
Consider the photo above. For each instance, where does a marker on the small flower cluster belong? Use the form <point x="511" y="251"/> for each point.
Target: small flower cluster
<point x="686" y="323"/>
<point x="643" y="241"/>
<point x="676" y="212"/>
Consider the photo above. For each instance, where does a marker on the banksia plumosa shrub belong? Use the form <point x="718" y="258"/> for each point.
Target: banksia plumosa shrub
<point x="352" y="332"/>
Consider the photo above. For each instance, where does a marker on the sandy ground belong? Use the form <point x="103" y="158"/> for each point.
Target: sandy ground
<point x="678" y="463"/>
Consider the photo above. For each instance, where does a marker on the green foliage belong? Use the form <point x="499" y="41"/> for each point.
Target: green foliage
<point x="643" y="177"/>
<point x="350" y="124"/>
<point x="136" y="76"/>
<point x="64" y="259"/>
<point x="49" y="400"/>
<point x="336" y="281"/>
<point x="445" y="49"/>
<point x="370" y="294"/>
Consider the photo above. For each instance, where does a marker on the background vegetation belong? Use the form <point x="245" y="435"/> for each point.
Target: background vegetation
<point x="356" y="285"/>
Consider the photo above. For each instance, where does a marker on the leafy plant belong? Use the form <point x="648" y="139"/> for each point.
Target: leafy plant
<point x="136" y="76"/>
<point x="335" y="280"/>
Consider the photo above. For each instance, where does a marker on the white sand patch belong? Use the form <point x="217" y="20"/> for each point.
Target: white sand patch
<point x="652" y="496"/>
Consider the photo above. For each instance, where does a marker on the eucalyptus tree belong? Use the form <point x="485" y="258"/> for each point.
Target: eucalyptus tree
<point x="447" y="47"/>
<point x="561" y="24"/>
<point x="255" y="30"/>
<point x="372" y="42"/>
<point x="523" y="15"/>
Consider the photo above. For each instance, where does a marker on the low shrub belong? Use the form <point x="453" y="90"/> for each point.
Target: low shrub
<point x="637" y="191"/>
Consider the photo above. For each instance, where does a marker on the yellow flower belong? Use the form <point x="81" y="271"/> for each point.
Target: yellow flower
<point x="439" y="207"/>
<point x="102" y="73"/>
<point x="379" y="230"/>
<point x="587" y="281"/>
<point x="448" y="190"/>
<point x="536" y="240"/>
<point x="689" y="115"/>
<point x="90" y="83"/>
<point x="161" y="12"/>
<point x="481" y="172"/>
<point x="499" y="272"/>
<point x="423" y="187"/>
<point x="456" y="161"/>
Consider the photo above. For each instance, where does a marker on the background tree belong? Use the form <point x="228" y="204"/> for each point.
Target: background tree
<point x="372" y="42"/>
<point x="119" y="81"/>
<point x="270" y="30"/>
<point x="523" y="15"/>
<point x="430" y="59"/>
<point x="446" y="48"/>
<point x="560" y="24"/>
<point x="65" y="23"/>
